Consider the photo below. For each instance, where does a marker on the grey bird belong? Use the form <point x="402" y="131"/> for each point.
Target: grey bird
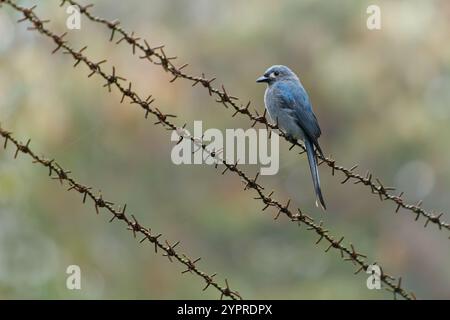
<point x="289" y="107"/>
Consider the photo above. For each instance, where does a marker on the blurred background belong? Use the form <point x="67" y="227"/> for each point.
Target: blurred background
<point x="381" y="97"/>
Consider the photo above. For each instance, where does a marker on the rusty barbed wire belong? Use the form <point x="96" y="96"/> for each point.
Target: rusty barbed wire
<point x="346" y="253"/>
<point x="56" y="171"/>
<point x="227" y="100"/>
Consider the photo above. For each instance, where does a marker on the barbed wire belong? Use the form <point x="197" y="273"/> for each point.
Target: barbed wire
<point x="223" y="97"/>
<point x="347" y="253"/>
<point x="56" y="171"/>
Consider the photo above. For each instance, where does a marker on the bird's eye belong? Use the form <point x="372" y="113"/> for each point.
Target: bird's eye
<point x="276" y="73"/>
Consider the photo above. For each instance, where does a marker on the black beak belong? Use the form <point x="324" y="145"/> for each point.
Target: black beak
<point x="262" y="79"/>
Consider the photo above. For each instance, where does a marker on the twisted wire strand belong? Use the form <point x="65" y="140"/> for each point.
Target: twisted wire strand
<point x="56" y="171"/>
<point x="157" y="56"/>
<point x="347" y="253"/>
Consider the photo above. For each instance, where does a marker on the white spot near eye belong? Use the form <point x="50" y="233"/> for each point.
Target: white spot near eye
<point x="272" y="75"/>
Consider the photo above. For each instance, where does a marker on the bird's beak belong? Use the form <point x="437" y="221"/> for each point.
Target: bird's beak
<point x="262" y="79"/>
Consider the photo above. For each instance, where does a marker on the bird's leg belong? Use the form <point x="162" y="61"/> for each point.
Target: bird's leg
<point x="291" y="139"/>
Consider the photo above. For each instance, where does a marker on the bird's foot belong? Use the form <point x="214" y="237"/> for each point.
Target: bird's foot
<point x="291" y="139"/>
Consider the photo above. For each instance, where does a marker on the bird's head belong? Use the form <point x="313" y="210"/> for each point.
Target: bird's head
<point x="277" y="73"/>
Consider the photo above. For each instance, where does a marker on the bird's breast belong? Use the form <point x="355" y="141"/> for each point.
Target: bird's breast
<point x="286" y="120"/>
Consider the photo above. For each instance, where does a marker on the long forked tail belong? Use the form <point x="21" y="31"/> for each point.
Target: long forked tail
<point x="314" y="172"/>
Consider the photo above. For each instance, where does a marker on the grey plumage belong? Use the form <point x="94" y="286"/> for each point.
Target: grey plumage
<point x="289" y="106"/>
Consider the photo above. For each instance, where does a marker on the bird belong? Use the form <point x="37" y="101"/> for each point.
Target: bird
<point x="289" y="106"/>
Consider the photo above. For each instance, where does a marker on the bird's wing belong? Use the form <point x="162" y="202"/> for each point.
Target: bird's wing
<point x="295" y="100"/>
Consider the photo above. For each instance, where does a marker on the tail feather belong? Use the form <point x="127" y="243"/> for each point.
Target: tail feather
<point x="314" y="172"/>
